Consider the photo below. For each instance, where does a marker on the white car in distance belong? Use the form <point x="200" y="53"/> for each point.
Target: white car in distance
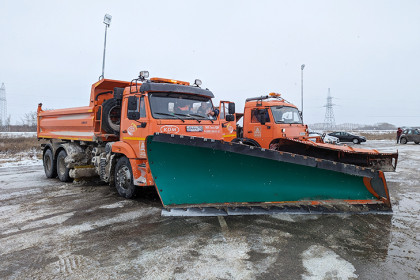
<point x="325" y="137"/>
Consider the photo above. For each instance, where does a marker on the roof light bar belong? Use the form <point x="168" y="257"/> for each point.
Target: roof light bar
<point x="170" y="81"/>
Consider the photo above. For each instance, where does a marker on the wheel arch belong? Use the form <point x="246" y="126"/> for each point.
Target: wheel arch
<point x="275" y="141"/>
<point x="48" y="146"/>
<point x="58" y="150"/>
<point x="246" y="141"/>
<point x="123" y="149"/>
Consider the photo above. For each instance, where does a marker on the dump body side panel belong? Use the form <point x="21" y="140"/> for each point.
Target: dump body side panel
<point x="71" y="124"/>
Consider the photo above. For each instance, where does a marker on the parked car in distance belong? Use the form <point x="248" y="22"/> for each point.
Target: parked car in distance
<point x="410" y="135"/>
<point x="348" y="137"/>
<point x="325" y="137"/>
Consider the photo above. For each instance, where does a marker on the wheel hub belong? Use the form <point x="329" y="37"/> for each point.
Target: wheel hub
<point x="61" y="165"/>
<point x="123" y="177"/>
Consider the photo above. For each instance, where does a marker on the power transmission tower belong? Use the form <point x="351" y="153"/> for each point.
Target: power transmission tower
<point x="329" y="120"/>
<point x="3" y="106"/>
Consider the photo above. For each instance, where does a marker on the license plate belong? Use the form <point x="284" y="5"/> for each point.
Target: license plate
<point x="194" y="128"/>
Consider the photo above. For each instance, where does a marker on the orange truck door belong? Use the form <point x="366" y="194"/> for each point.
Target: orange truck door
<point x="134" y="133"/>
<point x="255" y="129"/>
<point x="228" y="127"/>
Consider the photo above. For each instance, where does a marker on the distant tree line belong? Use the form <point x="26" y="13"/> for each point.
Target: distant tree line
<point x="27" y="123"/>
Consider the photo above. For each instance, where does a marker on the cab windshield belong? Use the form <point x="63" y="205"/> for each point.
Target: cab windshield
<point x="285" y="114"/>
<point x="165" y="105"/>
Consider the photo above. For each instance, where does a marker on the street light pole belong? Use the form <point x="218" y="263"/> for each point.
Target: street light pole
<point x="301" y="107"/>
<point x="107" y="21"/>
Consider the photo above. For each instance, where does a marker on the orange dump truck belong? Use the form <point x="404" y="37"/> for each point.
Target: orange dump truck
<point x="110" y="133"/>
<point x="272" y="122"/>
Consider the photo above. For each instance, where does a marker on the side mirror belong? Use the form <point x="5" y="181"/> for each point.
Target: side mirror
<point x="230" y="118"/>
<point x="231" y="108"/>
<point x="133" y="115"/>
<point x="132" y="103"/>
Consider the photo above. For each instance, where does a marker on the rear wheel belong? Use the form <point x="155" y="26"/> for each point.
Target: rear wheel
<point x="62" y="170"/>
<point x="356" y="141"/>
<point x="50" y="166"/>
<point x="417" y="142"/>
<point x="403" y="140"/>
<point x="124" y="178"/>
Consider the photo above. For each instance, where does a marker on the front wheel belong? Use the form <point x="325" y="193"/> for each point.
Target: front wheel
<point x="124" y="178"/>
<point x="403" y="140"/>
<point x="416" y="142"/>
<point x="356" y="141"/>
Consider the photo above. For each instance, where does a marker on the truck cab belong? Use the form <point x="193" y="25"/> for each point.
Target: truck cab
<point x="271" y="117"/>
<point x="166" y="106"/>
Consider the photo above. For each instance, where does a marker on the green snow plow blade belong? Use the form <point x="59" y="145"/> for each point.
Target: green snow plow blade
<point x="197" y="176"/>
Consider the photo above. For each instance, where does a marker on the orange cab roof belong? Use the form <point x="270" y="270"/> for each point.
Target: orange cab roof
<point x="268" y="103"/>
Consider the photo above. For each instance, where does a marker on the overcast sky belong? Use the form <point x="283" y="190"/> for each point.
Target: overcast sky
<point x="367" y="52"/>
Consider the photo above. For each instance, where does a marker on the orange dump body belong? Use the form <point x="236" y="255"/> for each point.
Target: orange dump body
<point x="80" y="123"/>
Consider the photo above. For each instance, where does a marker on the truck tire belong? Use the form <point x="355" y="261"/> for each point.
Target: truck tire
<point x="111" y="116"/>
<point x="50" y="165"/>
<point x="124" y="178"/>
<point x="403" y="140"/>
<point x="236" y="140"/>
<point x="356" y="141"/>
<point x="416" y="142"/>
<point x="250" y="142"/>
<point x="62" y="170"/>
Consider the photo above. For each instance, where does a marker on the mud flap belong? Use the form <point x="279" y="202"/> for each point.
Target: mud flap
<point x="198" y="173"/>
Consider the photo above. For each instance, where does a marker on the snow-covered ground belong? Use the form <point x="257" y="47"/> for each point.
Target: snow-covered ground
<point x="23" y="158"/>
<point x="17" y="134"/>
<point x="28" y="158"/>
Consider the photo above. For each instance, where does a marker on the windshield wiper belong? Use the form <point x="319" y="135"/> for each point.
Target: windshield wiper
<point x="172" y="115"/>
<point x="201" y="117"/>
<point x="187" y="115"/>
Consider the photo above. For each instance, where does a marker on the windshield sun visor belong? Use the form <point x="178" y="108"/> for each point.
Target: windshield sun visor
<point x="164" y="87"/>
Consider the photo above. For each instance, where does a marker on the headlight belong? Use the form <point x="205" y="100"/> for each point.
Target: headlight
<point x="144" y="74"/>
<point x="197" y="82"/>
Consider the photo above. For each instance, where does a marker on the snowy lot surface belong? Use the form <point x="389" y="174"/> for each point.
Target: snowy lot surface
<point x="18" y="134"/>
<point x="54" y="230"/>
<point x="28" y="158"/>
